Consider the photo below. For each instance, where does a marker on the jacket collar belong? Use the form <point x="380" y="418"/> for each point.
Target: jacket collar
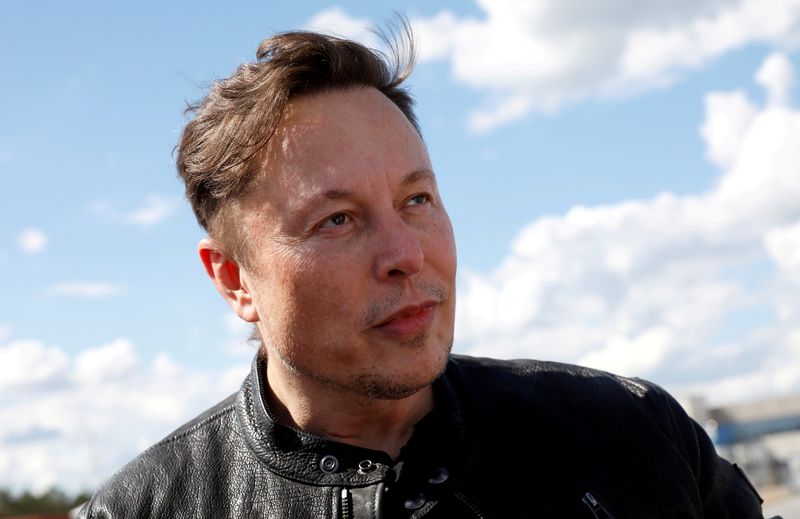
<point x="299" y="456"/>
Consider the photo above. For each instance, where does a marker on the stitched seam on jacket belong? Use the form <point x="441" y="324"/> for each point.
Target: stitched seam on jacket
<point x="257" y="431"/>
<point x="250" y="408"/>
<point x="267" y="463"/>
<point x="216" y="416"/>
<point x="255" y="386"/>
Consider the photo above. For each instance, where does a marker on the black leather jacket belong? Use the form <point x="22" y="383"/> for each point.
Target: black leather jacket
<point x="507" y="439"/>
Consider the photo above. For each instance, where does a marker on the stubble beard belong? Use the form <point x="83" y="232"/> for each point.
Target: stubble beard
<point x="373" y="386"/>
<point x="376" y="387"/>
<point x="369" y="386"/>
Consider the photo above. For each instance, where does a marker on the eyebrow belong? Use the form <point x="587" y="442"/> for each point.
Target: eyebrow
<point x="416" y="176"/>
<point x="337" y="194"/>
<point x="410" y="178"/>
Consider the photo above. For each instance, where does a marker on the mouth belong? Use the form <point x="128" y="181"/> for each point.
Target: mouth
<point x="408" y="321"/>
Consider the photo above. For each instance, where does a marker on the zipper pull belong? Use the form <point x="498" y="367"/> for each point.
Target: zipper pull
<point x="596" y="506"/>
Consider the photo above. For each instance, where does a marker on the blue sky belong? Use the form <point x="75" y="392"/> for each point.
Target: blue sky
<point x="622" y="179"/>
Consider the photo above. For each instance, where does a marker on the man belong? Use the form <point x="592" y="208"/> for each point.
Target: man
<point x="327" y="231"/>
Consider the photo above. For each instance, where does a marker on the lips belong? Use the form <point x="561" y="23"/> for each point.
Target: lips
<point x="409" y="320"/>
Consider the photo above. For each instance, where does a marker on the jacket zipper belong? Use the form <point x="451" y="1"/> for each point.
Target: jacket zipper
<point x="469" y="504"/>
<point x="596" y="506"/>
<point x="346" y="505"/>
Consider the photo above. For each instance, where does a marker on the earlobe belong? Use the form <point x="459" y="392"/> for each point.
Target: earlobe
<point x="228" y="278"/>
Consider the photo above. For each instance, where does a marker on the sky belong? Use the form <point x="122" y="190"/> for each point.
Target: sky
<point x="623" y="179"/>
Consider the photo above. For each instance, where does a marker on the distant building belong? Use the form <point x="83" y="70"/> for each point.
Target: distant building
<point x="763" y="437"/>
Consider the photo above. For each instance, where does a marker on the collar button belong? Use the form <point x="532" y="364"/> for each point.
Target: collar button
<point x="416" y="502"/>
<point x="329" y="464"/>
<point x="439" y="477"/>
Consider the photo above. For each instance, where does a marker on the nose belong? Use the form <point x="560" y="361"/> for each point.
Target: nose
<point x="399" y="253"/>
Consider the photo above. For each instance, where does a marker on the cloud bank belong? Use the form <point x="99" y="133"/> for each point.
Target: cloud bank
<point x="72" y="421"/>
<point x="697" y="292"/>
<point x="536" y="56"/>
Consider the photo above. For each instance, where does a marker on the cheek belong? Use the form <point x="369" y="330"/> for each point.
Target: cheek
<point x="318" y="287"/>
<point x="279" y="281"/>
<point x="442" y="246"/>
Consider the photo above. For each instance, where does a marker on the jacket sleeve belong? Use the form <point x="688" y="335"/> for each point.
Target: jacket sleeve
<point x="724" y="489"/>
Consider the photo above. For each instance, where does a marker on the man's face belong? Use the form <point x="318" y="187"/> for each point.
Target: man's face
<point x="352" y="257"/>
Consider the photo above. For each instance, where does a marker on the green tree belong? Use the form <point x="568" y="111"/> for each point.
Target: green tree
<point x="54" y="501"/>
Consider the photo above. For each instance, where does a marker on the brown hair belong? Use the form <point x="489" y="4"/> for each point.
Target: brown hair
<point x="221" y="150"/>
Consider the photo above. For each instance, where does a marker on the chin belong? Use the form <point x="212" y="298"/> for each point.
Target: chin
<point x="383" y="388"/>
<point x="405" y="377"/>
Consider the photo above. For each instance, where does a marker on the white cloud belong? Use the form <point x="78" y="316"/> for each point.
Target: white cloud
<point x="154" y="210"/>
<point x="654" y="51"/>
<point x="783" y="245"/>
<point x="777" y="77"/>
<point x="638" y="354"/>
<point x="538" y="55"/>
<point x="434" y="35"/>
<point x="85" y="289"/>
<point x="110" y="362"/>
<point x="507" y="110"/>
<point x="656" y="287"/>
<point x="337" y="22"/>
<point x="74" y="420"/>
<point x="775" y="374"/>
<point x="724" y="132"/>
<point x="32" y="241"/>
<point x="27" y="363"/>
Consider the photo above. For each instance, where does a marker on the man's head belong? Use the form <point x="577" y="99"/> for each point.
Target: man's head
<point x="333" y="239"/>
<point x="222" y="149"/>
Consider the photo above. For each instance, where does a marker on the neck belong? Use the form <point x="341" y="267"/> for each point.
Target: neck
<point x="343" y="415"/>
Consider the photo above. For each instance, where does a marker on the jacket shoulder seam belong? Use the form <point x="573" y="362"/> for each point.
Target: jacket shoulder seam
<point x="202" y="423"/>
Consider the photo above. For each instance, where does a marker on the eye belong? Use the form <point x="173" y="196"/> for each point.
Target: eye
<point x="336" y="220"/>
<point x="419" y="199"/>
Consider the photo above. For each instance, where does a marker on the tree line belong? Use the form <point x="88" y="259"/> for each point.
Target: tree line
<point x="52" y="502"/>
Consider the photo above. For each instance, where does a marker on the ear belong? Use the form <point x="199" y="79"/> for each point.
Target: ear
<point x="229" y="279"/>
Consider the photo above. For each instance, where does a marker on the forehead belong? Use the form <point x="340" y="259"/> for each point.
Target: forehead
<point x="340" y="108"/>
<point x="343" y="132"/>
